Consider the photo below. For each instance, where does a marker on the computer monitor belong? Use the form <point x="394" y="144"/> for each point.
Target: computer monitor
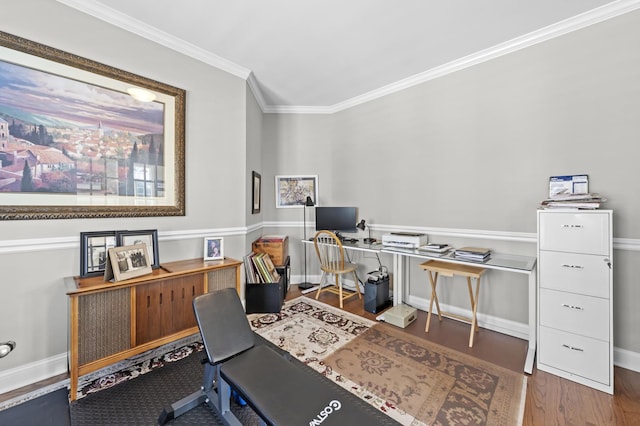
<point x="337" y="219"/>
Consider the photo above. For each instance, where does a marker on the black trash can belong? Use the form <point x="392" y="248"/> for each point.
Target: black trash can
<point x="376" y="295"/>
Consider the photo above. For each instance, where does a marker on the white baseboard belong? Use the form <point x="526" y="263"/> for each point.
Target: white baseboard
<point x="626" y="359"/>
<point x="500" y="325"/>
<point x="31" y="373"/>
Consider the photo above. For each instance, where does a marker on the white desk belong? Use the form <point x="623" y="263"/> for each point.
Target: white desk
<point x="502" y="262"/>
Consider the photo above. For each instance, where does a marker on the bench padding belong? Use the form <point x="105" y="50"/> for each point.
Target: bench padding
<point x="286" y="392"/>
<point x="280" y="389"/>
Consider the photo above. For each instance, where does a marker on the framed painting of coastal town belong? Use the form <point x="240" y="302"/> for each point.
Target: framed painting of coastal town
<point x="80" y="139"/>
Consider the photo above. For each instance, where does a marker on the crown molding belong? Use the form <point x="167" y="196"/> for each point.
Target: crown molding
<point x="558" y="29"/>
<point x="254" y="86"/>
<point x="100" y="11"/>
<point x="597" y="15"/>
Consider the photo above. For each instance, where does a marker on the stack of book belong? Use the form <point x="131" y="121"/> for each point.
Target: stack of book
<point x="260" y="269"/>
<point x="588" y="201"/>
<point x="435" y="248"/>
<point x="473" y="253"/>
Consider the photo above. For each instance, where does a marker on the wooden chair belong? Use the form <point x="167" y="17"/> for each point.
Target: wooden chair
<point x="332" y="261"/>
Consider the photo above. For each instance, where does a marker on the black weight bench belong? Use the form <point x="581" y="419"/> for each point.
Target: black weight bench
<point x="280" y="389"/>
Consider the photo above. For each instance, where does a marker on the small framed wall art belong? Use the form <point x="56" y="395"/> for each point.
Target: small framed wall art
<point x="292" y="191"/>
<point x="213" y="248"/>
<point x="256" y="180"/>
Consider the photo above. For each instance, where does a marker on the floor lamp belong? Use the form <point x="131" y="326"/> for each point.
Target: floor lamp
<point x="305" y="284"/>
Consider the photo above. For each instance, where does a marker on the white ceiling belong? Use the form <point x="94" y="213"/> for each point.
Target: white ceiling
<point x="323" y="56"/>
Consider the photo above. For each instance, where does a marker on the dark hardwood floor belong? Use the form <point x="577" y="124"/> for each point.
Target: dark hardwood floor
<point x="550" y="400"/>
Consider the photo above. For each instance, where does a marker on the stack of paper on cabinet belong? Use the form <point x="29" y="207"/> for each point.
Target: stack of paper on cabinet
<point x="589" y="201"/>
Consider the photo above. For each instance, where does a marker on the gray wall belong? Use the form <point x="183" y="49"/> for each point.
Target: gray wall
<point x="465" y="155"/>
<point x="473" y="151"/>
<point x="36" y="255"/>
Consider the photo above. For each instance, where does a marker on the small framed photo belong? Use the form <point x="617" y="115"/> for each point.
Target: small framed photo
<point x="256" y="180"/>
<point x="292" y="191"/>
<point x="213" y="248"/>
<point x="148" y="237"/>
<point x="127" y="262"/>
<point x="94" y="248"/>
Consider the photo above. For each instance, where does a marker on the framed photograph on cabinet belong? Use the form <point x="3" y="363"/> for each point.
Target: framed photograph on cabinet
<point x="100" y="149"/>
<point x="292" y="191"/>
<point x="213" y="248"/>
<point x="148" y="237"/>
<point x="127" y="262"/>
<point x="94" y="250"/>
<point x="256" y="182"/>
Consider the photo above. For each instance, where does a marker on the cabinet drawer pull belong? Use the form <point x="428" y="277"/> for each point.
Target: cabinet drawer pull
<point x="572" y="226"/>
<point x="573" y="348"/>
<point x="564" y="305"/>
<point x="564" y="265"/>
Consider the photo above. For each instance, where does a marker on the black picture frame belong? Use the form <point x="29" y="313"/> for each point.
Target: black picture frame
<point x="94" y="248"/>
<point x="147" y="236"/>
<point x="256" y="197"/>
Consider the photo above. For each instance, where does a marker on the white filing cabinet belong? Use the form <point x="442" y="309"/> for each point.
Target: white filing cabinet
<point x="575" y="296"/>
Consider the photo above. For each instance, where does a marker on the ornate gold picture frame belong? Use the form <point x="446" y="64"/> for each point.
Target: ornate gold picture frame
<point x="77" y="140"/>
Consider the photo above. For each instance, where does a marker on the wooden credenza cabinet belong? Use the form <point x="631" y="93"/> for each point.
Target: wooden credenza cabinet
<point x="112" y="321"/>
<point x="575" y="296"/>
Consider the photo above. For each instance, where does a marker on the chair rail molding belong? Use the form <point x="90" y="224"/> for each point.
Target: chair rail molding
<point x="72" y="242"/>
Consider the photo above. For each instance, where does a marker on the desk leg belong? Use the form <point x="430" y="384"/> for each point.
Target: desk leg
<point x="398" y="279"/>
<point x="474" y="308"/>
<point x="531" y="351"/>
<point x="434" y="298"/>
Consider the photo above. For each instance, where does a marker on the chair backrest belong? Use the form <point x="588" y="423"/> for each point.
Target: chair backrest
<point x="223" y="324"/>
<point x="330" y="251"/>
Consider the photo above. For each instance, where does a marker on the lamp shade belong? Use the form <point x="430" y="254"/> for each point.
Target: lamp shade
<point x="309" y="202"/>
<point x="361" y="225"/>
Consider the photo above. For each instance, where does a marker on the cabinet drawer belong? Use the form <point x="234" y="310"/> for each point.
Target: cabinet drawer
<point x="575" y="354"/>
<point x="575" y="313"/>
<point x="574" y="232"/>
<point x="576" y="273"/>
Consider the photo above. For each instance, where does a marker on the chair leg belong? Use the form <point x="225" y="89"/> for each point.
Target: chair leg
<point x="355" y="276"/>
<point x="320" y="286"/>
<point x="339" y="285"/>
<point x="474" y="307"/>
<point x="434" y="297"/>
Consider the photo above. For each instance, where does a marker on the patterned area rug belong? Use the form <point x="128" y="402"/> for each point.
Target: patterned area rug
<point x="412" y="380"/>
<point x="308" y="329"/>
<point x="432" y="383"/>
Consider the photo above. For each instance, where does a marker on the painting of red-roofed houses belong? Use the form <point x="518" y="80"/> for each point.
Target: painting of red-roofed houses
<point x="63" y="136"/>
